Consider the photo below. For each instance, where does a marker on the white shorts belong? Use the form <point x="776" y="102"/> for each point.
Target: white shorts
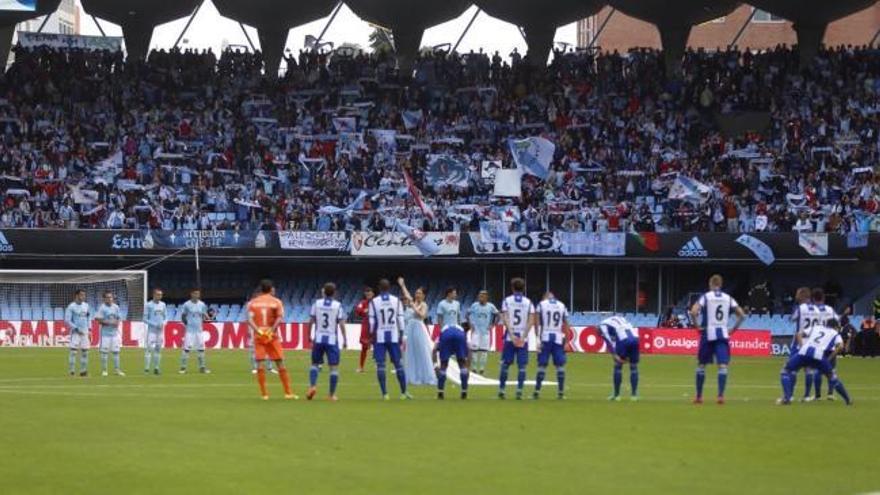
<point x="80" y="340"/>
<point x="155" y="339"/>
<point x="480" y="341"/>
<point x="194" y="341"/>
<point x="111" y="343"/>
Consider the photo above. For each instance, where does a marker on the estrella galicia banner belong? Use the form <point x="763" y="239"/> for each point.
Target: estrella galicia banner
<point x="313" y="241"/>
<point x="205" y="239"/>
<point x="534" y="242"/>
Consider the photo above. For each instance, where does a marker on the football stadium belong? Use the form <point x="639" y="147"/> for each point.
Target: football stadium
<point x="419" y="246"/>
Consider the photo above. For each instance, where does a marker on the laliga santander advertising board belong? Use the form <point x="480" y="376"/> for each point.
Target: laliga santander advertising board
<point x="294" y="336"/>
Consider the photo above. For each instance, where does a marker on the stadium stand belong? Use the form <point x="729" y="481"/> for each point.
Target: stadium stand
<point x="187" y="140"/>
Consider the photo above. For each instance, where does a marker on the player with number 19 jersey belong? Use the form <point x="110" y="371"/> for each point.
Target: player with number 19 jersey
<point x="552" y="325"/>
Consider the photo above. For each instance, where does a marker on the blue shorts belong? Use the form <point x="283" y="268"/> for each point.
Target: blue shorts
<point x="549" y="349"/>
<point x="510" y="352"/>
<point x="799" y="361"/>
<point x="331" y="350"/>
<point x="628" y="349"/>
<point x="393" y="350"/>
<point x="453" y="342"/>
<point x="717" y="350"/>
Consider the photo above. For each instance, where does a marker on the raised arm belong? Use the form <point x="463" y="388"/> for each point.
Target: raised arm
<point x="402" y="283"/>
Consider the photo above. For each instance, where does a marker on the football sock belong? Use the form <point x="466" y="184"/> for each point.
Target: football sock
<point x="539" y="378"/>
<point x="380" y="374"/>
<point x="722" y="381"/>
<point x="618" y="378"/>
<point x="634" y="378"/>
<point x="334" y="381"/>
<point x="261" y="379"/>
<point x="313" y="375"/>
<point x="285" y="380"/>
<point x="701" y="379"/>
<point x="441" y="379"/>
<point x="560" y="379"/>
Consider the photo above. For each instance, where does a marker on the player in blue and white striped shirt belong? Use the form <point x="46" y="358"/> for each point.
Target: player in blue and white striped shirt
<point x="327" y="323"/>
<point x="552" y="326"/>
<point x="76" y="316"/>
<point x="518" y="317"/>
<point x="815" y="350"/>
<point x="622" y="340"/>
<point x="816" y="313"/>
<point x="155" y="317"/>
<point x="712" y="310"/>
<point x="386" y="328"/>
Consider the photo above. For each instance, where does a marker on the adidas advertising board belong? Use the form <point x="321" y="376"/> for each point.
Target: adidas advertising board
<point x="693" y="249"/>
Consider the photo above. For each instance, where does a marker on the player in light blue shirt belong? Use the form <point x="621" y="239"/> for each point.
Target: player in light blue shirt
<point x="193" y="313"/>
<point x="449" y="309"/>
<point x="155" y="317"/>
<point x="108" y="317"/>
<point x="482" y="316"/>
<point x="76" y="316"/>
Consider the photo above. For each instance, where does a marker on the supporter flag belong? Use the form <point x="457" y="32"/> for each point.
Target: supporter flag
<point x="417" y="196"/>
<point x="649" y="240"/>
<point x="447" y="171"/>
<point x="759" y="247"/>
<point x="345" y="124"/>
<point x="687" y="189"/>
<point x="856" y="240"/>
<point x="357" y="204"/>
<point x="508" y="213"/>
<point x="412" y="118"/>
<point x="494" y="231"/>
<point x="508" y="183"/>
<point x="813" y="243"/>
<point x="532" y="155"/>
<point x="419" y="239"/>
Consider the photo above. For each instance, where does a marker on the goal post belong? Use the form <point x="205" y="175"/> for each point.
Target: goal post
<point x="44" y="294"/>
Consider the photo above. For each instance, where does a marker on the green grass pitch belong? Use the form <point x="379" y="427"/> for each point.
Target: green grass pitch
<point x="211" y="434"/>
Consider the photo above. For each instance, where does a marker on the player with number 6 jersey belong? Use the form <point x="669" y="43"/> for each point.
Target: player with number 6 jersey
<point x="518" y="317"/>
<point x="327" y="322"/>
<point x="552" y="326"/>
<point x="712" y="311"/>
<point x="265" y="313"/>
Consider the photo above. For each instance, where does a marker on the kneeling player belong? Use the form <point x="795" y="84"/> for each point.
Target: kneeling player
<point x="552" y="325"/>
<point x="816" y="351"/>
<point x="327" y="317"/>
<point x="265" y="313"/>
<point x="622" y="340"/>
<point x="452" y="342"/>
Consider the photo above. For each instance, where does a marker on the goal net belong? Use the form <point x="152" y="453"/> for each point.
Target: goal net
<point x="44" y="294"/>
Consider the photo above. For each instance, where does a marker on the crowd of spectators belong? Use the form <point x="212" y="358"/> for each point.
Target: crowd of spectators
<point x="189" y="140"/>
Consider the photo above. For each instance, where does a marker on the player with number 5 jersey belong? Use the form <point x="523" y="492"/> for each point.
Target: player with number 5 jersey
<point x="328" y="322"/>
<point x="518" y="317"/>
<point x="712" y="311"/>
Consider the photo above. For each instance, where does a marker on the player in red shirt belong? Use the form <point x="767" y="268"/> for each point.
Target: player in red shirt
<point x="363" y="310"/>
<point x="265" y="313"/>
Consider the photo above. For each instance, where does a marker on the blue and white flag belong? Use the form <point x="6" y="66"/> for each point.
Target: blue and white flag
<point x="345" y="124"/>
<point x="687" y="189"/>
<point x="420" y="240"/>
<point x="815" y="244"/>
<point x="507" y="213"/>
<point x="532" y="155"/>
<point x="494" y="231"/>
<point x="759" y="247"/>
<point x="447" y="171"/>
<point x="357" y="204"/>
<point x="856" y="240"/>
<point x="412" y="118"/>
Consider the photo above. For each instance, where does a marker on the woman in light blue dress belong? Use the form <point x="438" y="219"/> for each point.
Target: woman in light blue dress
<point x="417" y="356"/>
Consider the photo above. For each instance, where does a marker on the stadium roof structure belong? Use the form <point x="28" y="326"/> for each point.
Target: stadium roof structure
<point x="407" y="19"/>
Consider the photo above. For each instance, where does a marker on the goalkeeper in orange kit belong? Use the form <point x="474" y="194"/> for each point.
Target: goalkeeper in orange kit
<point x="265" y="313"/>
